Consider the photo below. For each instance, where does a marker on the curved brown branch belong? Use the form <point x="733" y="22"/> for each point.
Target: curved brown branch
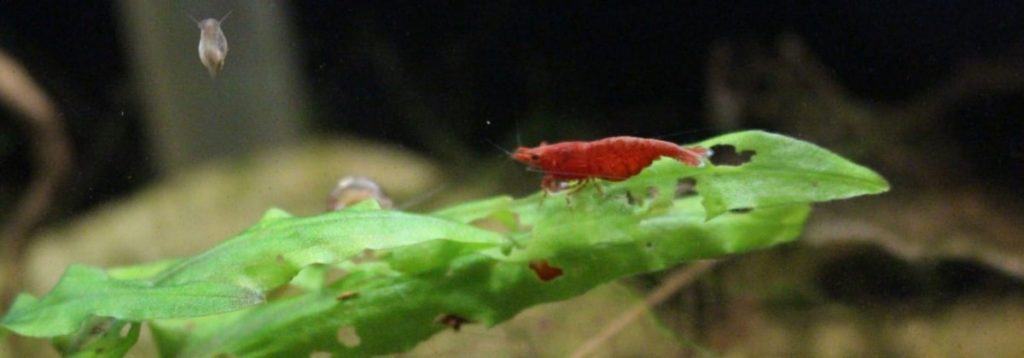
<point x="675" y="282"/>
<point x="51" y="157"/>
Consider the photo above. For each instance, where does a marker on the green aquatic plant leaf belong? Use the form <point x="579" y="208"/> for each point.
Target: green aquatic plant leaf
<point x="84" y="292"/>
<point x="366" y="281"/>
<point x="232" y="275"/>
<point x="765" y="169"/>
<point x="781" y="171"/>
<point x="391" y="310"/>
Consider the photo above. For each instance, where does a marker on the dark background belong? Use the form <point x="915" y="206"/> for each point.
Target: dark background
<point x="537" y="70"/>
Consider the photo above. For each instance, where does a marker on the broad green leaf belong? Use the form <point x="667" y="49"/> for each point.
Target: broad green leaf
<point x="143" y="271"/>
<point x="232" y="275"/>
<point x="270" y="253"/>
<point x="475" y="210"/>
<point x="781" y="171"/>
<point x="84" y="292"/>
<point x="472" y="260"/>
<point x="393" y="310"/>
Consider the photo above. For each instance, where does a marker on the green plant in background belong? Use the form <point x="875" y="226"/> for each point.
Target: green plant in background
<point x="366" y="281"/>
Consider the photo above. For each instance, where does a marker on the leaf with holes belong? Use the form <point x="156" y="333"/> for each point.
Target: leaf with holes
<point x="296" y="285"/>
<point x="762" y="169"/>
<point x="394" y="309"/>
<point x="232" y="275"/>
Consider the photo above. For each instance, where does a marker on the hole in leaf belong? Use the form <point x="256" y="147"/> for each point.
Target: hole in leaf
<point x="630" y="199"/>
<point x="347" y="295"/>
<point x="726" y="155"/>
<point x="545" y="272"/>
<point x="99" y="328"/>
<point x="125" y="330"/>
<point x="348" y="337"/>
<point x="652" y="193"/>
<point x="685" y="187"/>
<point x="453" y="321"/>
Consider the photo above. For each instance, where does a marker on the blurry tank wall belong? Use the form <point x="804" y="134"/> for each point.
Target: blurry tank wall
<point x="256" y="101"/>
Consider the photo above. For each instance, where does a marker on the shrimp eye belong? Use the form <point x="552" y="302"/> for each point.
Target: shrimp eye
<point x="534" y="157"/>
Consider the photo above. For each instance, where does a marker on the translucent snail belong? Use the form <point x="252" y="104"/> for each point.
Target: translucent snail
<point x="213" y="46"/>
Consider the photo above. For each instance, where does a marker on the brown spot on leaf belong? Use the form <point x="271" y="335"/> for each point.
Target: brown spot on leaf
<point x="348" y="336"/>
<point x="492" y="224"/>
<point x="365" y="256"/>
<point x="347" y="295"/>
<point x="545" y="272"/>
<point x="726" y="155"/>
<point x="685" y="187"/>
<point x="334" y="274"/>
<point x="451" y="320"/>
<point x="652" y="192"/>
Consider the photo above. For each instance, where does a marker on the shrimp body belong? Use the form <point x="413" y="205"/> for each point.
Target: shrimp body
<point x="613" y="159"/>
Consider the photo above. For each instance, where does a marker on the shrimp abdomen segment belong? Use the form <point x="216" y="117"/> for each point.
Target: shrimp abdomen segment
<point x="618" y="158"/>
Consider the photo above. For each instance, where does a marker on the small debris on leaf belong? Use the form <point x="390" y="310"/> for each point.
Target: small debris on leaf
<point x="686" y="187"/>
<point x="366" y="256"/>
<point x="347" y="295"/>
<point x="544" y="271"/>
<point x="453" y="321"/>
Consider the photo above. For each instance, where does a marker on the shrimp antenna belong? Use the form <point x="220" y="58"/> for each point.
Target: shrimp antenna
<point x="193" y="18"/>
<point x="498" y="146"/>
<point x="677" y="134"/>
<point x="421" y="198"/>
<point x="226" y="15"/>
<point x="519" y="139"/>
